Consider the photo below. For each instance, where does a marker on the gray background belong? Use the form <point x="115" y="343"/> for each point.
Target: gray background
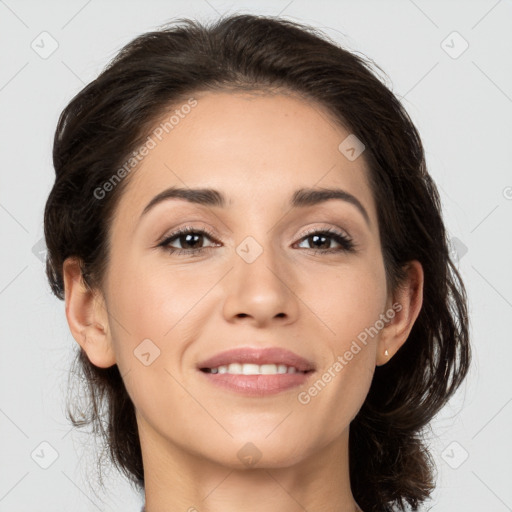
<point x="461" y="103"/>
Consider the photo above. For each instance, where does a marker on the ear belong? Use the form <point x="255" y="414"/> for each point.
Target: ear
<point x="406" y="304"/>
<point x="87" y="316"/>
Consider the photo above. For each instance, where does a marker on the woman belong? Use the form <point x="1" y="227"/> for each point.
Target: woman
<point x="256" y="270"/>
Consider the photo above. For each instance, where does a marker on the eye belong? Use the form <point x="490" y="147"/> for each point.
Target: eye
<point x="324" y="237"/>
<point x="188" y="237"/>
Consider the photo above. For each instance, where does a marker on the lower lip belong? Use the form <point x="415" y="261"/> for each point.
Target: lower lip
<point x="257" y="385"/>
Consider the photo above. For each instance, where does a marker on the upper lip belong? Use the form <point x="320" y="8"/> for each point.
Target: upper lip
<point x="259" y="356"/>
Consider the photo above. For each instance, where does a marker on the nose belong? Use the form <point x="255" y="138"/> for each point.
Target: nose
<point x="260" y="287"/>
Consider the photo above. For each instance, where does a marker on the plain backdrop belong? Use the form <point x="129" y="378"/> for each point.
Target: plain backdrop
<point x="448" y="61"/>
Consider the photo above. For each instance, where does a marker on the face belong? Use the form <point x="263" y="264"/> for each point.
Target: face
<point x="257" y="272"/>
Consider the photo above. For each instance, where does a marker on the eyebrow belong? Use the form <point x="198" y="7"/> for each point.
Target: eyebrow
<point x="301" y="198"/>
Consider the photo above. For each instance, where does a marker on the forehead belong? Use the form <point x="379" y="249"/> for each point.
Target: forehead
<point x="253" y="147"/>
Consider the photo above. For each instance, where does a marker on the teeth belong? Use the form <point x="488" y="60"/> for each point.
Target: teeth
<point x="254" y="369"/>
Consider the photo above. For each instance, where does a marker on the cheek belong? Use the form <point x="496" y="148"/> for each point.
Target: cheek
<point x="155" y="302"/>
<point x="138" y="310"/>
<point x="150" y="311"/>
<point x="346" y="300"/>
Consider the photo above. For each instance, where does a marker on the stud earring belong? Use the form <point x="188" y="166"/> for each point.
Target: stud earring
<point x="386" y="353"/>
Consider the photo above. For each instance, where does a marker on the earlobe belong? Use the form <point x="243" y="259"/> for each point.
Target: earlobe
<point x="407" y="304"/>
<point x="87" y="316"/>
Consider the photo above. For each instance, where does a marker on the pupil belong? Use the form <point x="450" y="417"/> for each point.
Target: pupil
<point x="188" y="236"/>
<point x="317" y="237"/>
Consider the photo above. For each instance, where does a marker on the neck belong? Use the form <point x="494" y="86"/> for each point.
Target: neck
<point x="178" y="479"/>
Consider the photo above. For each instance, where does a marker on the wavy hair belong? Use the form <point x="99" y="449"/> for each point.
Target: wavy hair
<point x="390" y="465"/>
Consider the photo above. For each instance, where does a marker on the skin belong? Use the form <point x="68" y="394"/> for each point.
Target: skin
<point x="257" y="150"/>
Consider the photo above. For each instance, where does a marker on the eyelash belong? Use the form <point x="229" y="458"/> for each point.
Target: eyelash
<point x="346" y="243"/>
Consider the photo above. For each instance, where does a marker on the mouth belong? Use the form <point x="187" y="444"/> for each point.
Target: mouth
<point x="254" y="369"/>
<point x="257" y="372"/>
<point x="256" y="361"/>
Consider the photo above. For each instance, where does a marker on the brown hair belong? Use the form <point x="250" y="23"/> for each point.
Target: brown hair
<point x="105" y="122"/>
